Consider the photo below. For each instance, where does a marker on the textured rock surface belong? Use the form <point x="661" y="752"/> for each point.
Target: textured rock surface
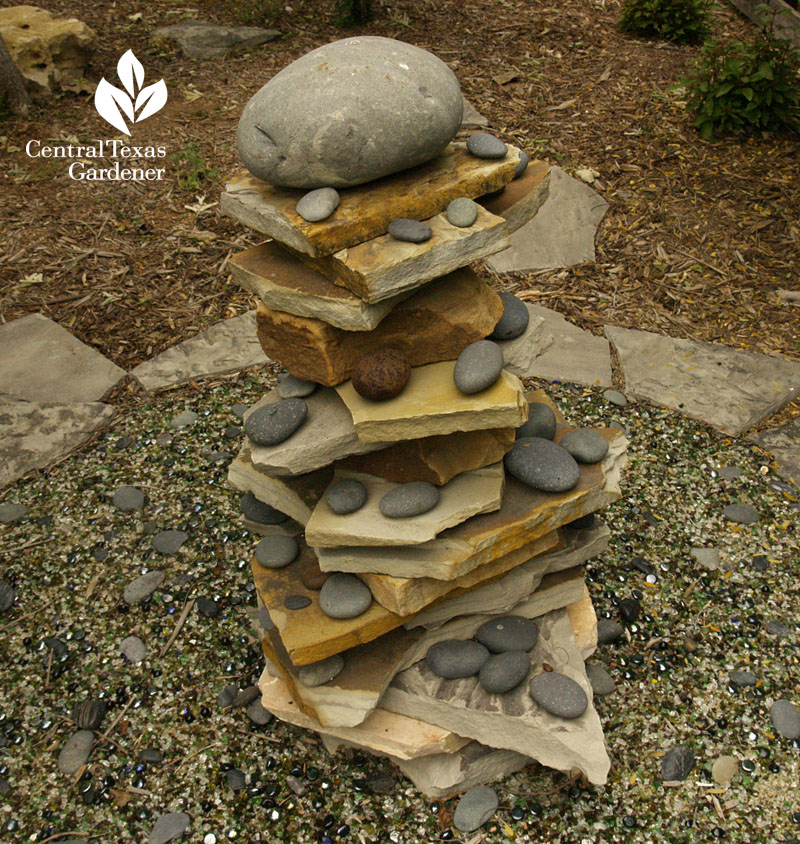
<point x="51" y="53"/>
<point x="677" y="764"/>
<point x="381" y="375"/>
<point x="260" y="512"/>
<point x="729" y="389"/>
<point x="366" y="210"/>
<point x="784" y="443"/>
<point x="561" y="234"/>
<point x="434" y="324"/>
<point x="319" y="673"/>
<point x="520" y="354"/>
<point x="431" y="404"/>
<point x="466" y="495"/>
<point x="228" y="346"/>
<point x="42" y="362"/>
<point x="202" y="40"/>
<point x="404" y="110"/>
<point x="168" y="827"/>
<point x="291" y="387"/>
<point x="142" y="587"/>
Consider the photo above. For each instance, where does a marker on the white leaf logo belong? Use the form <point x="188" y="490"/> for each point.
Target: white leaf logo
<point x="114" y="105"/>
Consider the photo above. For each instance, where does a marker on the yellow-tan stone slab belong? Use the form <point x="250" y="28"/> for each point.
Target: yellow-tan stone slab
<point x="431" y="404"/>
<point x="384" y="267"/>
<point x="365" y="211"/>
<point x="284" y="283"/>
<point x="434" y="324"/>
<point x="525" y="514"/>
<point x="583" y="619"/>
<point x="382" y="732"/>
<point x="466" y="495"/>
<point x="520" y="200"/>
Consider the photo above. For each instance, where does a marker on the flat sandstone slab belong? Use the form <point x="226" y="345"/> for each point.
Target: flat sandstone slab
<point x="434" y="324"/>
<point x="42" y="362"/>
<point x="729" y="389"/>
<point x="520" y="200"/>
<point x="384" y="267"/>
<point x="512" y="720"/>
<point x="525" y="515"/>
<point x="431" y="404"/>
<point x="283" y="283"/>
<point x="228" y="346"/>
<point x="784" y="443"/>
<point x="466" y="495"/>
<point x="365" y="211"/>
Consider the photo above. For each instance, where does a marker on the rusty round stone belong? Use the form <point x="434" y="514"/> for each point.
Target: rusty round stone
<point x="381" y="375"/>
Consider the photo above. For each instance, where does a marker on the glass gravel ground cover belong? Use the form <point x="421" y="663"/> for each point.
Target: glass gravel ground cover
<point x="70" y="557"/>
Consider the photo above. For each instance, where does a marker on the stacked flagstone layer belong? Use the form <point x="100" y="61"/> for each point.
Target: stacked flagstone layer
<point x="331" y="293"/>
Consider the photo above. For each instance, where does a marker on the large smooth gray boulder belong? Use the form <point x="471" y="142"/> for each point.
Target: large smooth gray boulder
<point x="349" y="112"/>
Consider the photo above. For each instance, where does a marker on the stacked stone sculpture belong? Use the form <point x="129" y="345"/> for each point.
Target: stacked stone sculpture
<point x="419" y="573"/>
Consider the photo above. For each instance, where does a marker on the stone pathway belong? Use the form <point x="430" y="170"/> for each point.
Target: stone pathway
<point x="561" y="234"/>
<point x="730" y="390"/>
<point x="226" y="347"/>
<point x="201" y="40"/>
<point x="784" y="443"/>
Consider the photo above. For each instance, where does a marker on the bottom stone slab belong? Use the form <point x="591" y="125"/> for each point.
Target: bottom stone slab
<point x="513" y="720"/>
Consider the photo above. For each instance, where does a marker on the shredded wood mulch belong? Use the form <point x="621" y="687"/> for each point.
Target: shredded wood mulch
<point x="699" y="241"/>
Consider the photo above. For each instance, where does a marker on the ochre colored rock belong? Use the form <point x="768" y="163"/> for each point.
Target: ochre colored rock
<point x="381" y="375"/>
<point x="51" y="53"/>
<point x="521" y="199"/>
<point x="434" y="324"/>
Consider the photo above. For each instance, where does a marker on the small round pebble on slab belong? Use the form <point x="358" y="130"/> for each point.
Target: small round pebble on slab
<point x="276" y="421"/>
<point x="541" y="422"/>
<point x="344" y="596"/>
<point x="677" y="764"/>
<point x="524" y="160"/>
<point x="318" y="204"/>
<point x="319" y="673"/>
<point x="455" y="659"/>
<point x="381" y="375"/>
<point x="484" y="145"/>
<point x="128" y="499"/>
<point x="410" y="231"/>
<point x="558" y="694"/>
<point x="504" y="671"/>
<point x="542" y="464"/>
<point x="408" y="500"/>
<point x="785" y="718"/>
<point x="478" y="367"/>
<point x="291" y="387"/>
<point x="259" y="512"/>
<point x="514" y="320"/>
<point x="585" y="444"/>
<point x="277" y="551"/>
<point x="345" y="496"/>
<point x="508" y="633"/>
<point x="474" y="808"/>
<point x="462" y="212"/>
<point x="741" y="513"/>
<point x="296" y="602"/>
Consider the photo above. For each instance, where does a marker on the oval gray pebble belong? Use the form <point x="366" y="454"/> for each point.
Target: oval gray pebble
<point x="346" y="496"/>
<point x="142" y="587"/>
<point x="743" y="678"/>
<point x="741" y="513"/>
<point x="608" y="631"/>
<point x="133" y="649"/>
<point x="277" y="551"/>
<point x="541" y="422"/>
<point x="169" y="541"/>
<point x="296" y="602"/>
<point x="409" y="500"/>
<point x="504" y="671"/>
<point x="785" y="718"/>
<point x="128" y="499"/>
<point x="454" y="659"/>
<point x="276" y="421"/>
<point x="462" y="212"/>
<point x="183" y="420"/>
<point x="344" y="596"/>
<point x="585" y="444"/>
<point x="558" y="694"/>
<point x="292" y="387"/>
<point x="474" y="808"/>
<point x="514" y="320"/>
<point x="411" y="231"/>
<point x="168" y="827"/>
<point x="542" y="464"/>
<point x="257" y="714"/>
<point x="321" y="672"/>
<point x="318" y="204"/>
<point x="524" y="160"/>
<point x="484" y="145"/>
<point x="600" y="680"/>
<point x="615" y="397"/>
<point x="258" y="511"/>
<point x="478" y="367"/>
<point x="508" y="633"/>
<point x="75" y="753"/>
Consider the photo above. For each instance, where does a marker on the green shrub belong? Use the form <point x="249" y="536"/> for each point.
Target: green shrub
<point x="192" y="171"/>
<point x="745" y="86"/>
<point x="681" y="21"/>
